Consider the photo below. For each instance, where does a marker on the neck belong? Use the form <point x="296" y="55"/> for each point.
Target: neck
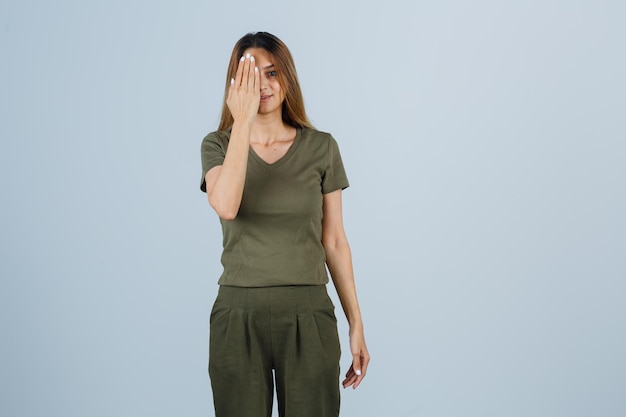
<point x="267" y="129"/>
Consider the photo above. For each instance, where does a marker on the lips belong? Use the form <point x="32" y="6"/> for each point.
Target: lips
<point x="265" y="98"/>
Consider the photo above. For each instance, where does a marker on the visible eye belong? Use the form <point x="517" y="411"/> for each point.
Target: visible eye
<point x="271" y="74"/>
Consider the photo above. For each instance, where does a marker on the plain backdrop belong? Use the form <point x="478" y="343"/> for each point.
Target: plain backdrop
<point x="485" y="145"/>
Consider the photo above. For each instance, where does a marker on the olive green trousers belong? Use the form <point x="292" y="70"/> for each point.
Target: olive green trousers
<point x="274" y="336"/>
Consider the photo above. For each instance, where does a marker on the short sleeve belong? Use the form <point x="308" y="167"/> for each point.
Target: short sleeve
<point x="334" y="177"/>
<point x="212" y="153"/>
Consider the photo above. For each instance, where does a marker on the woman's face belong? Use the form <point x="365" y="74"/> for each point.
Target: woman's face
<point x="272" y="95"/>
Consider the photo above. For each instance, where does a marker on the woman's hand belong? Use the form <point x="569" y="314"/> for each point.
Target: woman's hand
<point x="244" y="94"/>
<point x="360" y="358"/>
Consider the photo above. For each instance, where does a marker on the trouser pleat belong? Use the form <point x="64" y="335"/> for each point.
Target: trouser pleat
<point x="284" y="333"/>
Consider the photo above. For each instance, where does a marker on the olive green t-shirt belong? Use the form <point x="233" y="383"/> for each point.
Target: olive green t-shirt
<point x="275" y="239"/>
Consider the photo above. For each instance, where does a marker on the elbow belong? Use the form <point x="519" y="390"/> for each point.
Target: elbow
<point x="334" y="245"/>
<point x="225" y="205"/>
<point x="224" y="213"/>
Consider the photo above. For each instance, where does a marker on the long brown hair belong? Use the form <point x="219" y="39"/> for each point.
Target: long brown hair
<point x="293" y="105"/>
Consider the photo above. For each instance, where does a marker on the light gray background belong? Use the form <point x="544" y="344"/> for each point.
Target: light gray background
<point x="485" y="145"/>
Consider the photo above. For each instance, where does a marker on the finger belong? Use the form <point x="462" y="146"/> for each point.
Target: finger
<point x="357" y="381"/>
<point x="364" y="363"/>
<point x="351" y="377"/>
<point x="245" y="82"/>
<point x="239" y="73"/>
<point x="251" y="72"/>
<point x="349" y="381"/>
<point x="257" y="79"/>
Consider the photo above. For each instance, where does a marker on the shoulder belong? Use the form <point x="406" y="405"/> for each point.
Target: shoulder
<point x="318" y="139"/>
<point x="219" y="138"/>
<point x="314" y="134"/>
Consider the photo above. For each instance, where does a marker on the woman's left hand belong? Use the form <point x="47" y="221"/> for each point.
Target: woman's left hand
<point x="360" y="358"/>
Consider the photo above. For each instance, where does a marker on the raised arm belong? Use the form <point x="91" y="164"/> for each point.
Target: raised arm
<point x="224" y="183"/>
<point x="339" y="261"/>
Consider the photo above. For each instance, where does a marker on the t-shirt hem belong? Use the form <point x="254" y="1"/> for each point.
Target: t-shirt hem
<point x="207" y="169"/>
<point x="276" y="285"/>
<point x="238" y="283"/>
<point x="331" y="189"/>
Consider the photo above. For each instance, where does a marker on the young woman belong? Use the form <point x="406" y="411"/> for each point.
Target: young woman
<point x="276" y="183"/>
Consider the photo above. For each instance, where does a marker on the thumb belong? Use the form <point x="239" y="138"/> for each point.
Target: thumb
<point x="356" y="363"/>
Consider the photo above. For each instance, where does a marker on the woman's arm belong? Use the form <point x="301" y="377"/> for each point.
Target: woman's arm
<point x="224" y="183"/>
<point x="339" y="261"/>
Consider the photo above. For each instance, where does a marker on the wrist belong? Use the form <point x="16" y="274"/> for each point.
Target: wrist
<point x="243" y="123"/>
<point x="355" y="323"/>
<point x="241" y="130"/>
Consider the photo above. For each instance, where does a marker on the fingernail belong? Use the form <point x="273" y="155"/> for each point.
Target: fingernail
<point x="248" y="56"/>
<point x="256" y="69"/>
<point x="232" y="81"/>
<point x="252" y="58"/>
<point x="242" y="58"/>
<point x="358" y="372"/>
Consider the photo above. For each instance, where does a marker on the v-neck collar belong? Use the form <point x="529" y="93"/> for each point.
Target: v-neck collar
<point x="282" y="159"/>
